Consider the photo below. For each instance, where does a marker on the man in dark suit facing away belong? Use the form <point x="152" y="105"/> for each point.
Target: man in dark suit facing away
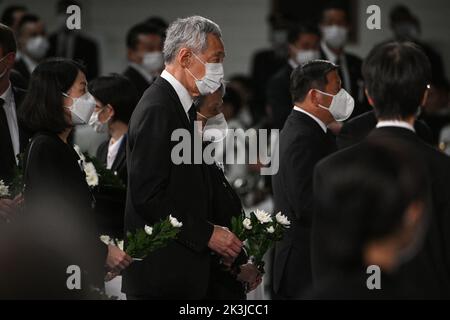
<point x="13" y="136"/>
<point x="396" y="77"/>
<point x="305" y="139"/>
<point x="157" y="187"/>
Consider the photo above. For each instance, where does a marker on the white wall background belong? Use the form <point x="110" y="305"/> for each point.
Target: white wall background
<point x="243" y="23"/>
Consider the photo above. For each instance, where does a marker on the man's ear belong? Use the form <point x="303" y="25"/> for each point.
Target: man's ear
<point x="111" y="110"/>
<point x="312" y="95"/>
<point x="425" y="96"/>
<point x="184" y="57"/>
<point x="369" y="98"/>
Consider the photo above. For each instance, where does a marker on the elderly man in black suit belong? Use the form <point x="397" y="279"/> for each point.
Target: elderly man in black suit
<point x="318" y="101"/>
<point x="397" y="76"/>
<point x="13" y="136"/>
<point x="157" y="187"/>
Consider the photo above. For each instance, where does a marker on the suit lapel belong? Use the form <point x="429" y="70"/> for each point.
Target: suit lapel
<point x="120" y="158"/>
<point x="24" y="137"/>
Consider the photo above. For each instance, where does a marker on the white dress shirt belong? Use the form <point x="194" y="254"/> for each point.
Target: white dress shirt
<point x="395" y="123"/>
<point x="113" y="149"/>
<point x="147" y="76"/>
<point x="183" y="94"/>
<point x="10" y="110"/>
<point x="319" y="122"/>
<point x="331" y="56"/>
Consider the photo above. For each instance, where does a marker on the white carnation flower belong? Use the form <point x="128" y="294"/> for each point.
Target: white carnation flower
<point x="4" y="190"/>
<point x="282" y="219"/>
<point x="175" y="223"/>
<point x="148" y="230"/>
<point x="270" y="229"/>
<point x="91" y="174"/>
<point x="247" y="223"/>
<point x="262" y="216"/>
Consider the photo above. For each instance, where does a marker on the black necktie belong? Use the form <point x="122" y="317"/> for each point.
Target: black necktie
<point x="192" y="113"/>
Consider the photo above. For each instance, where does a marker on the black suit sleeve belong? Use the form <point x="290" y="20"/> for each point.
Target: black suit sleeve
<point x="149" y="171"/>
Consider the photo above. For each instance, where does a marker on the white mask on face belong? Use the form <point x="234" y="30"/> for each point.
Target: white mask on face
<point x="81" y="108"/>
<point x="96" y="124"/>
<point x="153" y="61"/>
<point x="215" y="129"/>
<point x="37" y="47"/>
<point x="341" y="106"/>
<point x="335" y="36"/>
<point x="304" y="56"/>
<point x="212" y="80"/>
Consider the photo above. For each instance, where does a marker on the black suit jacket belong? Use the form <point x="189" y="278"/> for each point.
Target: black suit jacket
<point x="137" y="79"/>
<point x="110" y="202"/>
<point x="22" y="69"/>
<point x="85" y="50"/>
<point x="8" y="158"/>
<point x="358" y="128"/>
<point x="429" y="270"/>
<point x="303" y="143"/>
<point x="279" y="96"/>
<point x="158" y="188"/>
<point x="56" y="189"/>
<point x="354" y="65"/>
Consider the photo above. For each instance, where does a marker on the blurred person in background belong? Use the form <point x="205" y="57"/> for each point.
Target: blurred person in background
<point x="12" y="15"/>
<point x="372" y="211"/>
<point x="144" y="53"/>
<point x="115" y="97"/>
<point x="58" y="100"/>
<point x="303" y="46"/>
<point x="33" y="44"/>
<point x="335" y="27"/>
<point x="243" y="86"/>
<point x="73" y="44"/>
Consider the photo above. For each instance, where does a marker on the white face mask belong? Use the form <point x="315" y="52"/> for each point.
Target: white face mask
<point x="341" y="106"/>
<point x="215" y="129"/>
<point x="335" y="36"/>
<point x="96" y="124"/>
<point x="212" y="80"/>
<point x="153" y="61"/>
<point x="304" y="56"/>
<point x="81" y="108"/>
<point x="37" y="47"/>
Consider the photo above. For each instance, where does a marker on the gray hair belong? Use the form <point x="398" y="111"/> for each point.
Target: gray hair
<point x="190" y="32"/>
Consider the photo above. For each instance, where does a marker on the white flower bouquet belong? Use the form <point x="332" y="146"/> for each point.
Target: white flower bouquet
<point x="4" y="190"/>
<point x="259" y="231"/>
<point x="148" y="239"/>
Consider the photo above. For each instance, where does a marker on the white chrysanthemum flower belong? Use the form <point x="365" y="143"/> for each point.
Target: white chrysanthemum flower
<point x="80" y="154"/>
<point x="282" y="219"/>
<point x="91" y="174"/>
<point x="174" y="222"/>
<point x="247" y="223"/>
<point x="270" y="229"/>
<point x="262" y="216"/>
<point x="148" y="230"/>
<point x="105" y="239"/>
<point x="4" y="190"/>
<point x="120" y="244"/>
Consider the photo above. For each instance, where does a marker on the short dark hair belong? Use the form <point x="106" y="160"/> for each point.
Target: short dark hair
<point x="141" y="28"/>
<point x="365" y="199"/>
<point x="117" y="91"/>
<point x="295" y="32"/>
<point x="27" y="18"/>
<point x="311" y="75"/>
<point x="396" y="76"/>
<point x="42" y="108"/>
<point x="335" y="5"/>
<point x="233" y="98"/>
<point x="8" y="14"/>
<point x="158" y="22"/>
<point x="7" y="40"/>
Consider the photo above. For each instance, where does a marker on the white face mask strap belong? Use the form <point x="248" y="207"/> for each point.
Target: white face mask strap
<point x="202" y="115"/>
<point x="192" y="74"/>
